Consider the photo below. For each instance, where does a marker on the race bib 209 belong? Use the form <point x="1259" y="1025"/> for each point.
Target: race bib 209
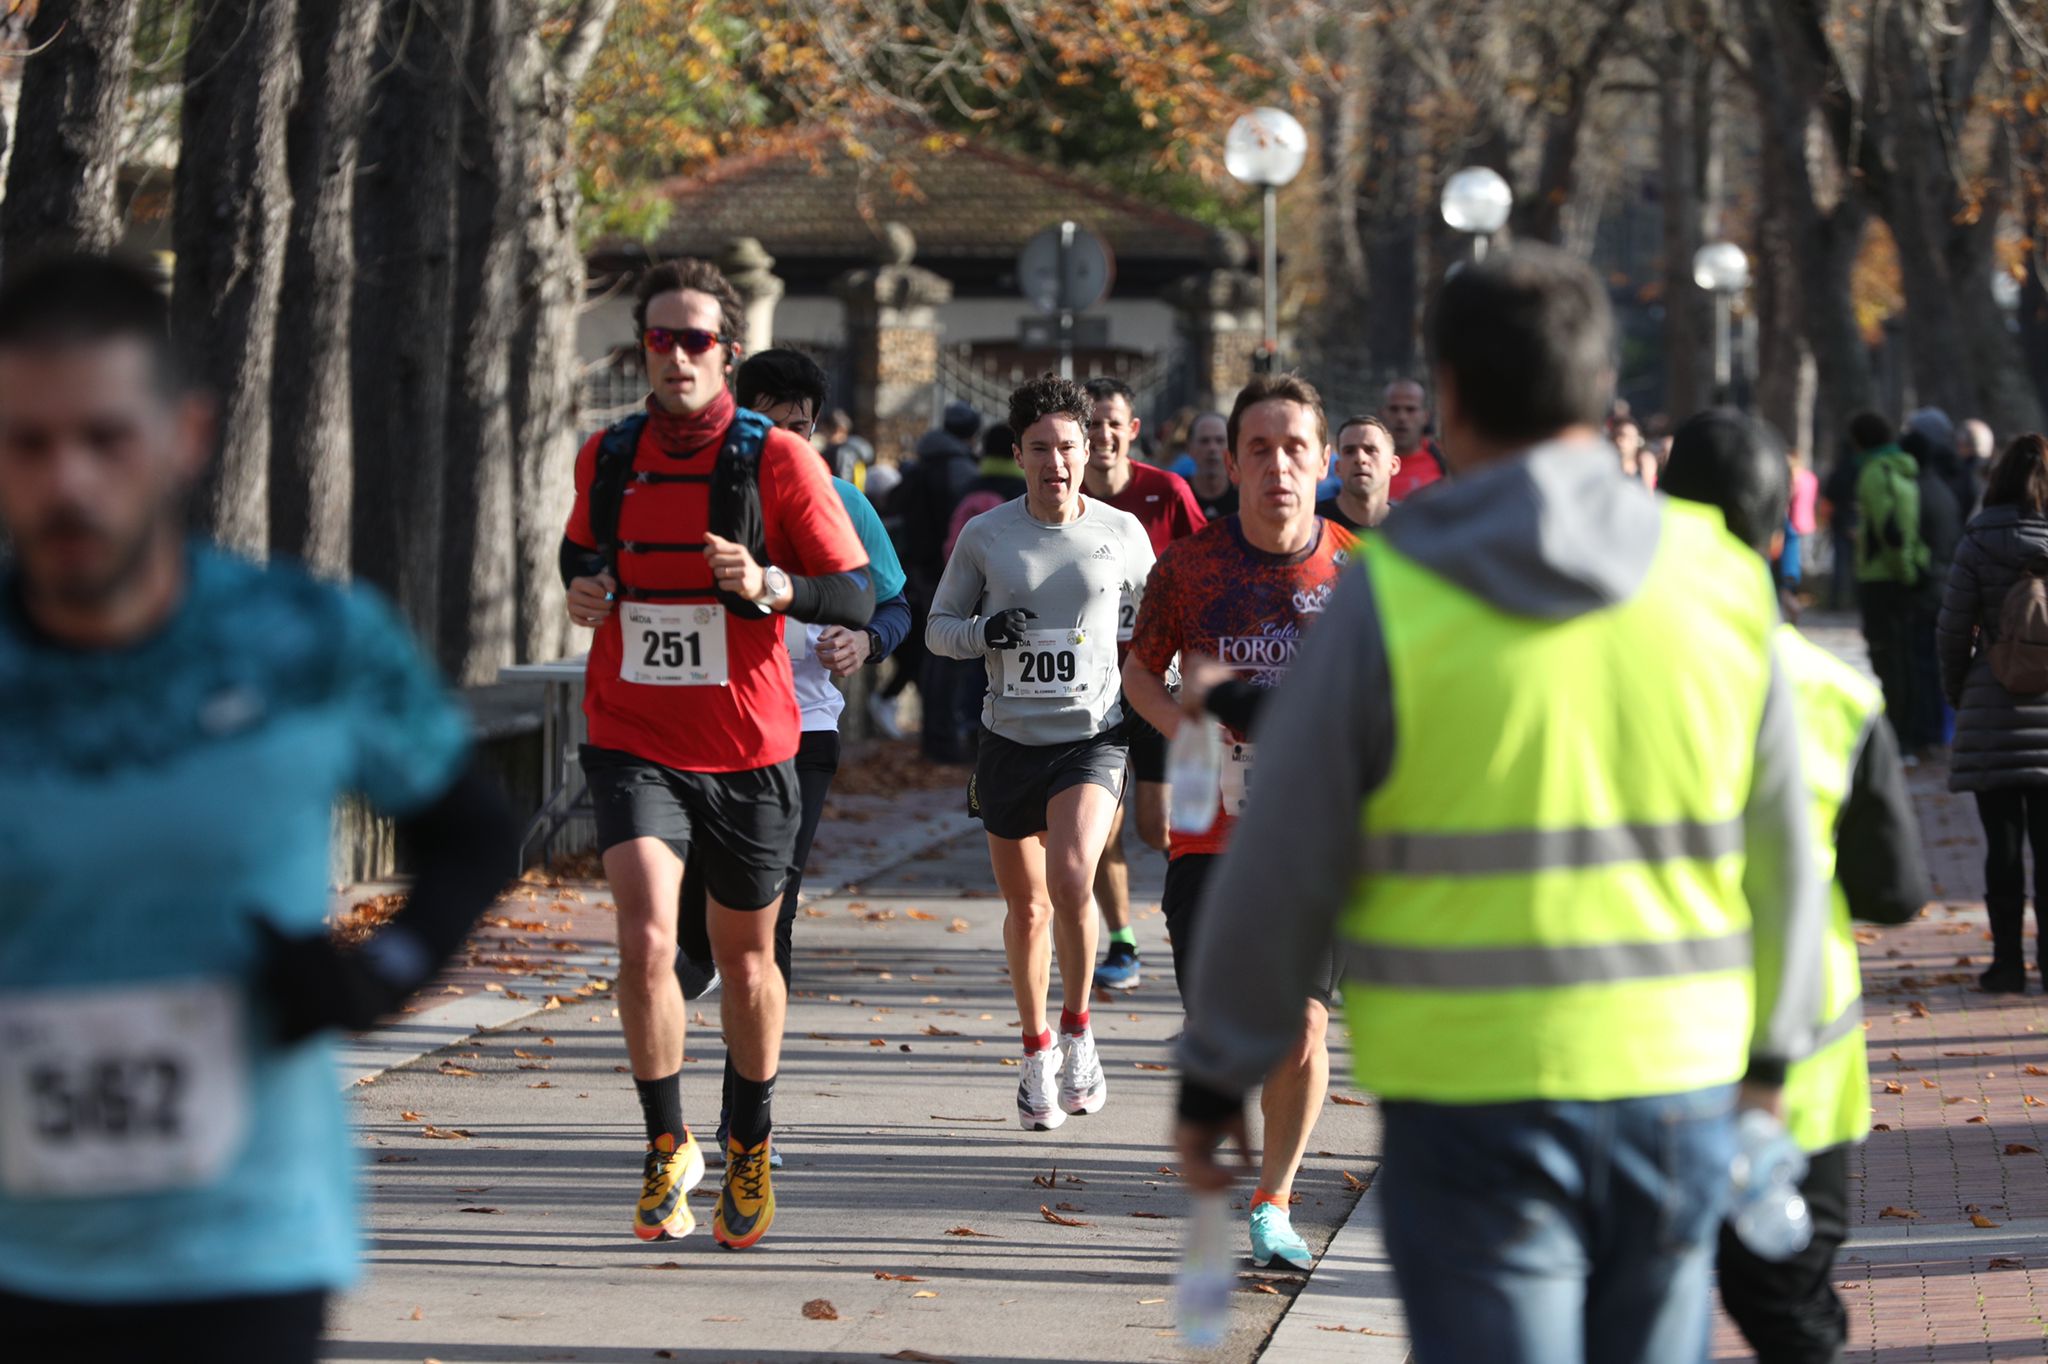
<point x="1056" y="663"/>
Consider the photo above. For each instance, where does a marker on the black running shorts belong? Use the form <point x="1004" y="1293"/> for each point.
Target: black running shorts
<point x="739" y="827"/>
<point x="1187" y="876"/>
<point x="1013" y="783"/>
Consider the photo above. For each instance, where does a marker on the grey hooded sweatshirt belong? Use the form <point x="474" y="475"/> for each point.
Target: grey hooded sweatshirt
<point x="1552" y="534"/>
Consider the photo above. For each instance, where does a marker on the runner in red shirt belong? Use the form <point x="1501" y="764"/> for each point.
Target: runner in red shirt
<point x="1405" y="410"/>
<point x="693" y="720"/>
<point x="1233" y="602"/>
<point x="1165" y="506"/>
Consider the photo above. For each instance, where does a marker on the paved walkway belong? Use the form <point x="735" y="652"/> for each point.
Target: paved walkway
<point x="503" y="1134"/>
<point x="917" y="1221"/>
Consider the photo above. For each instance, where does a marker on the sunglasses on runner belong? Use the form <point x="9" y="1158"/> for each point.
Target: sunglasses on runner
<point x="693" y="340"/>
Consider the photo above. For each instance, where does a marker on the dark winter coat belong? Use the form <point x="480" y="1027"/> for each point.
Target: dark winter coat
<point x="2001" y="739"/>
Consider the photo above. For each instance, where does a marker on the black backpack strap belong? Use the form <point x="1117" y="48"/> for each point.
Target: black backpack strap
<point x="736" y="495"/>
<point x="608" y="481"/>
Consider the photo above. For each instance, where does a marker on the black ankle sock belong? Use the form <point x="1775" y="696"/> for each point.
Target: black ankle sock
<point x="749" y="1113"/>
<point x="726" y="1088"/>
<point x="661" y="1104"/>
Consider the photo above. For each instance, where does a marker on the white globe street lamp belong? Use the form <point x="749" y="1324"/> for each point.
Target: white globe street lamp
<point x="2005" y="290"/>
<point x="1723" y="268"/>
<point x="1476" y="200"/>
<point x="1266" y="148"/>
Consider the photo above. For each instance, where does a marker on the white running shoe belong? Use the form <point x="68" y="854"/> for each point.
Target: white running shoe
<point x="882" y="710"/>
<point x="1036" y="1112"/>
<point x="1083" y="1089"/>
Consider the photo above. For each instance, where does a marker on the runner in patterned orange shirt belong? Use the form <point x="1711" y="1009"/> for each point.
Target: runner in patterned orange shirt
<point x="1233" y="601"/>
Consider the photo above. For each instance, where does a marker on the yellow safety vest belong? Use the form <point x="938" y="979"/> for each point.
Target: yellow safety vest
<point x="1550" y="904"/>
<point x="1827" y="1095"/>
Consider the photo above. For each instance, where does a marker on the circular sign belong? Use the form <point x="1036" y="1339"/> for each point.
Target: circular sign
<point x="1065" y="268"/>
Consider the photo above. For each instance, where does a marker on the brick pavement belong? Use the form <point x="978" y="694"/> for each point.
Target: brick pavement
<point x="1948" y="1253"/>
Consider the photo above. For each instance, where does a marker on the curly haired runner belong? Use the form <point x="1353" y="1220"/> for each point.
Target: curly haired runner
<point x="1033" y="587"/>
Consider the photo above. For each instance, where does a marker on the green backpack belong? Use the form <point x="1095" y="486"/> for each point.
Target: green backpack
<point x="1889" y="547"/>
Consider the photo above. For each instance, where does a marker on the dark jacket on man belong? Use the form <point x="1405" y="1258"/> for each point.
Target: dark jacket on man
<point x="2001" y="739"/>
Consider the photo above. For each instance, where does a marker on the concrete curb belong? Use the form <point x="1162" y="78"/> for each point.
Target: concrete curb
<point x="1350" y="1310"/>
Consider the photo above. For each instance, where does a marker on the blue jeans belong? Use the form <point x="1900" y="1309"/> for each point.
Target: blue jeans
<point x="1551" y="1233"/>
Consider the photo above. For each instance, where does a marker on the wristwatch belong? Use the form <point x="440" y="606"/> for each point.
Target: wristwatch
<point x="874" y="649"/>
<point x="774" y="582"/>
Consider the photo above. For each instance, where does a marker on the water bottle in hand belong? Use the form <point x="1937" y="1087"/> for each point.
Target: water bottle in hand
<point x="1194" y="769"/>
<point x="1769" y="1214"/>
<point x="1202" y="1293"/>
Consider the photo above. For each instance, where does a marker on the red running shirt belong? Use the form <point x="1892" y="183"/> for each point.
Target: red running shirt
<point x="751" y="721"/>
<point x="1418" y="471"/>
<point x="1216" y="594"/>
<point x="1163" y="503"/>
<point x="1165" y="506"/>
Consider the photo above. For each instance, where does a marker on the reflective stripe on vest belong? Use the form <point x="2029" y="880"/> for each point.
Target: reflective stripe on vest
<point x="1827" y="1095"/>
<point x="1516" y="968"/>
<point x="1550" y="899"/>
<point x="1513" y="850"/>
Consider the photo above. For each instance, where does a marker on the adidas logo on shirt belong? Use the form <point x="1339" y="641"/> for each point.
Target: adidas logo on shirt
<point x="1104" y="552"/>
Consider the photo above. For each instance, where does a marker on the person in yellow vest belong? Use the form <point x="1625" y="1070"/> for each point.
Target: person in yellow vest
<point x="1537" y="771"/>
<point x="1867" y="843"/>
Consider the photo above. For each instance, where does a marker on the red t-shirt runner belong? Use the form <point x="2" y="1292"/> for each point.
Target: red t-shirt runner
<point x="749" y="718"/>
<point x="1165" y="506"/>
<point x="1163" y="503"/>
<point x="1418" y="471"/>
<point x="1216" y="594"/>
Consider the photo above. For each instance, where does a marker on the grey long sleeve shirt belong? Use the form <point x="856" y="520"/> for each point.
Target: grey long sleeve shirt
<point x="1552" y="534"/>
<point x="1062" y="686"/>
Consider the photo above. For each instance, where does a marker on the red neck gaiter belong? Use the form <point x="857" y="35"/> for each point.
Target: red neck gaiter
<point x="686" y="435"/>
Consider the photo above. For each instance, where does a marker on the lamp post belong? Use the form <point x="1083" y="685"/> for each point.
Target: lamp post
<point x="1476" y="200"/>
<point x="1723" y="268"/>
<point x="2005" y="292"/>
<point x="1266" y="148"/>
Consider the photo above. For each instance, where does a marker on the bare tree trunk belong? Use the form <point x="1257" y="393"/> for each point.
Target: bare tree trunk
<point x="1686" y="318"/>
<point x="1788" y="84"/>
<point x="312" y="426"/>
<point x="1388" y="208"/>
<point x="546" y="362"/>
<point x="1342" y="126"/>
<point x="1557" y="175"/>
<point x="405" y="242"/>
<point x="61" y="183"/>
<point x="1783" y="390"/>
<point x="479" y="578"/>
<point x="232" y="211"/>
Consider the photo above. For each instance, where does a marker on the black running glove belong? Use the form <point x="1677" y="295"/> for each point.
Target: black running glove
<point x="315" y="984"/>
<point x="1005" y="629"/>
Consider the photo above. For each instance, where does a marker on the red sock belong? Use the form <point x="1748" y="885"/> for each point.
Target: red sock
<point x="1035" y="1045"/>
<point x="1261" y="1196"/>
<point x="1073" y="1023"/>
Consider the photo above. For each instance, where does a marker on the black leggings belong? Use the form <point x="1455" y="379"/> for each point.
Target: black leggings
<point x="817" y="762"/>
<point x="279" y="1328"/>
<point x="2014" y="818"/>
